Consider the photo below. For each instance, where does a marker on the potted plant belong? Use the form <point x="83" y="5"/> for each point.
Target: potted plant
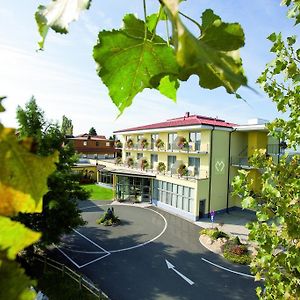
<point x="144" y="164"/>
<point x="118" y="144"/>
<point x="118" y="160"/>
<point x="144" y="143"/>
<point x="129" y="143"/>
<point x="129" y="161"/>
<point x="182" y="170"/>
<point x="182" y="142"/>
<point x="159" y="143"/>
<point x="161" y="167"/>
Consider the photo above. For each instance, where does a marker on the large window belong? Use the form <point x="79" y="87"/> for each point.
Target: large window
<point x="154" y="158"/>
<point x="154" y="137"/>
<point x="171" y="140"/>
<point x="195" y="139"/>
<point x="171" y="161"/>
<point x="133" y="188"/>
<point x="139" y="155"/>
<point x="195" y="162"/>
<point x="181" y="197"/>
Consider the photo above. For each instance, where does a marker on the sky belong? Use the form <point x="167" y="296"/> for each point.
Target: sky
<point x="63" y="77"/>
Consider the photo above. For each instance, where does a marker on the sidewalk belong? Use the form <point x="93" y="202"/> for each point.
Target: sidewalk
<point x="232" y="223"/>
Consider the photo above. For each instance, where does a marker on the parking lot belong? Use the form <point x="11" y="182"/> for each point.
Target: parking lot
<point x="151" y="255"/>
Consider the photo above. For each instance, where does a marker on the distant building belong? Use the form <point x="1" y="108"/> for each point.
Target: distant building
<point x="95" y="147"/>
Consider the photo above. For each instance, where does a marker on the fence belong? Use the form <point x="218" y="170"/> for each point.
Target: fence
<point x="83" y="283"/>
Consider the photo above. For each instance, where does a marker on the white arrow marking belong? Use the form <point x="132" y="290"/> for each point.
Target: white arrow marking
<point x="170" y="266"/>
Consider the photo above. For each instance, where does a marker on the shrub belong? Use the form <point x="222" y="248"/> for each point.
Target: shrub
<point x="214" y="233"/>
<point x="236" y="252"/>
<point x="109" y="218"/>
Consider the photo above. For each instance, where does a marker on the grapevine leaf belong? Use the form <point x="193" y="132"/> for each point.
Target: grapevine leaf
<point x="58" y="15"/>
<point x="14" y="237"/>
<point x="23" y="176"/>
<point x="1" y="106"/>
<point x="214" y="56"/>
<point x="128" y="61"/>
<point x="15" y="283"/>
<point x="168" y="86"/>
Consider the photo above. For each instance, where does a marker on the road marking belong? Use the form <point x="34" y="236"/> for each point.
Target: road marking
<point x="123" y="249"/>
<point x="92" y="242"/>
<point x="228" y="270"/>
<point x="170" y="266"/>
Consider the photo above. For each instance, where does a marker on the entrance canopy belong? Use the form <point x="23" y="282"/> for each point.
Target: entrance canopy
<point x="132" y="173"/>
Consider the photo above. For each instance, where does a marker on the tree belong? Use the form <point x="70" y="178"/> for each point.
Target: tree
<point x="93" y="131"/>
<point x="277" y="201"/>
<point x="22" y="185"/>
<point x="66" y="126"/>
<point x="60" y="213"/>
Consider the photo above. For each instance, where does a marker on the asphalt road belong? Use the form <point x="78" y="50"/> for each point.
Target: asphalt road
<point x="126" y="265"/>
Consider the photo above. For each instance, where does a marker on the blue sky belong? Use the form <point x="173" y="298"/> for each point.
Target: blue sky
<point x="64" y="81"/>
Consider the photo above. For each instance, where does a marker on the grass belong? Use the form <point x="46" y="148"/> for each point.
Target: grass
<point x="98" y="192"/>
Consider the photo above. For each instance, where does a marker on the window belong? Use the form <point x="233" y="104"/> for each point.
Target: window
<point x="128" y="137"/>
<point x="171" y="140"/>
<point x="107" y="144"/>
<point x="97" y="144"/>
<point x="128" y="154"/>
<point x="171" y="162"/>
<point x="195" y="162"/>
<point x="154" y="158"/>
<point x="85" y="143"/>
<point x="154" y="138"/>
<point x="175" y="195"/>
<point x="138" y="138"/>
<point x="139" y="155"/>
<point x="195" y="139"/>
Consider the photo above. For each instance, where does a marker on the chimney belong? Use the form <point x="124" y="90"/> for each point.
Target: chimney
<point x="187" y="114"/>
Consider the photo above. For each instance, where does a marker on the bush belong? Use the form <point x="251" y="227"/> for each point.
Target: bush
<point x="214" y="233"/>
<point x="109" y="218"/>
<point x="236" y="252"/>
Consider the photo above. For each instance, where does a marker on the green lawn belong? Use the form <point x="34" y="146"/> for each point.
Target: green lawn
<point x="98" y="192"/>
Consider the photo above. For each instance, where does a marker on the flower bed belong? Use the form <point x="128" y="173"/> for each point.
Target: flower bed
<point x="230" y="247"/>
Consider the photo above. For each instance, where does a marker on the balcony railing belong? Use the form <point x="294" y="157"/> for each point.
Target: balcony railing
<point x="192" y="174"/>
<point x="192" y="148"/>
<point x="240" y="161"/>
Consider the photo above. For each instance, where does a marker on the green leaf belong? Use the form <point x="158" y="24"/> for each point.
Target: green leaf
<point x="1" y="106"/>
<point x="14" y="283"/>
<point x="168" y="86"/>
<point x="214" y="57"/>
<point x="58" y="15"/>
<point x="23" y="176"/>
<point x="128" y="62"/>
<point x="14" y="237"/>
<point x="248" y="202"/>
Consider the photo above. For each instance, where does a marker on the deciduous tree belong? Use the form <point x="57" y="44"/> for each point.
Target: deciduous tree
<point x="60" y="213"/>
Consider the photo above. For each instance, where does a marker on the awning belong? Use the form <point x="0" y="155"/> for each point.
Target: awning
<point x="132" y="173"/>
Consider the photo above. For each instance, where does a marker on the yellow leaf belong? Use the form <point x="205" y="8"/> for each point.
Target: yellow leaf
<point x="23" y="176"/>
<point x="14" y="237"/>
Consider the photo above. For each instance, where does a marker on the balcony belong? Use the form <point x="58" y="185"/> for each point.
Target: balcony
<point x="136" y="167"/>
<point x="193" y="148"/>
<point x="241" y="162"/>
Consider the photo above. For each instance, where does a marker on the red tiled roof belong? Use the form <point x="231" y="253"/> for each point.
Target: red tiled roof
<point x="189" y="120"/>
<point x="86" y="136"/>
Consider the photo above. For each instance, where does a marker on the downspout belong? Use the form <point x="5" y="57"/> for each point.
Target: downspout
<point x="228" y="170"/>
<point x="210" y="169"/>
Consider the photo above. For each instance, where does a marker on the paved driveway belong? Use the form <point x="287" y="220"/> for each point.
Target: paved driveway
<point x="129" y="261"/>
